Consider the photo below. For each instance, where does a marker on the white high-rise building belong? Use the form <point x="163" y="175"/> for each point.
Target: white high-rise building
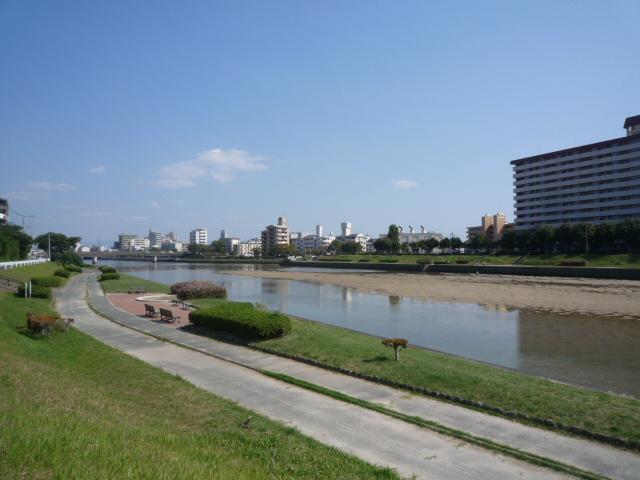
<point x="198" y="237"/>
<point x="346" y="228"/>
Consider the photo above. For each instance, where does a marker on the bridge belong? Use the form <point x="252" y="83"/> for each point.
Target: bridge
<point x="140" y="256"/>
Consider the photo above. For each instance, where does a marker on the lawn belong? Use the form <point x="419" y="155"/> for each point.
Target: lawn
<point x="23" y="274"/>
<point x="619" y="260"/>
<point x="600" y="412"/>
<point x="125" y="282"/>
<point x="71" y="407"/>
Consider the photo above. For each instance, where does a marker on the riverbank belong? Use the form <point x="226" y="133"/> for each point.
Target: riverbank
<point x="554" y="294"/>
<point x="72" y="407"/>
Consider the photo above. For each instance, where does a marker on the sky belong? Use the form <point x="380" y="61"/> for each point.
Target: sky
<point x="129" y="116"/>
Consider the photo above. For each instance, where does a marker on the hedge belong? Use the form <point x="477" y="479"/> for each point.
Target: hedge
<point x="107" y="269"/>
<point x="198" y="289"/>
<point x="389" y="260"/>
<point x="47" y="281"/>
<point x="243" y="320"/>
<point x="109" y="276"/>
<point x="61" y="272"/>
<point x="36" y="291"/>
<point x="72" y="268"/>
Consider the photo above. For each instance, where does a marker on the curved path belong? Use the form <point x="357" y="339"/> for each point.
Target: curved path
<point x="372" y="436"/>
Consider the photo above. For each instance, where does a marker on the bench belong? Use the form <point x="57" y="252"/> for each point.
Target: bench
<point x="150" y="310"/>
<point x="137" y="290"/>
<point x="168" y="315"/>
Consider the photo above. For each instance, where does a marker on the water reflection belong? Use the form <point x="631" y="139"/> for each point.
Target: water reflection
<point x="595" y="352"/>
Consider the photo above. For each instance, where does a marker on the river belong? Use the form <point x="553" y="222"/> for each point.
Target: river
<point x="601" y="353"/>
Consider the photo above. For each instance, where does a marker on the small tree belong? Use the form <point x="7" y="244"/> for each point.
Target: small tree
<point x="396" y="344"/>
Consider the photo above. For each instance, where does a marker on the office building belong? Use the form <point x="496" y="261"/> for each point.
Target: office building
<point x="305" y="243"/>
<point x="247" y="249"/>
<point x="128" y="242"/>
<point x="155" y="239"/>
<point x="594" y="183"/>
<point x="198" y="237"/>
<point x="492" y="228"/>
<point x="412" y="236"/>
<point x="274" y="236"/>
<point x="4" y="211"/>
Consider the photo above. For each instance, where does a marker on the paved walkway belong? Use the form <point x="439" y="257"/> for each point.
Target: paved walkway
<point x="583" y="454"/>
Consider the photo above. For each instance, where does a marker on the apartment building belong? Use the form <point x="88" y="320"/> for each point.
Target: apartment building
<point x="493" y="227"/>
<point x="155" y="239"/>
<point x="275" y="235"/>
<point x="4" y="211"/>
<point x="594" y="183"/>
<point x="198" y="237"/>
<point x="128" y="242"/>
<point x="246" y="249"/>
<point x="318" y="241"/>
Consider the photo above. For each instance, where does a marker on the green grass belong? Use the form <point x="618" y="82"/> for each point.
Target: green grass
<point x="22" y="274"/>
<point x="125" y="282"/>
<point x="596" y="411"/>
<point x="71" y="407"/>
<point x="626" y="260"/>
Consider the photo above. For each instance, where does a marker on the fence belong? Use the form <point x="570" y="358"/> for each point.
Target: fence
<point x="21" y="263"/>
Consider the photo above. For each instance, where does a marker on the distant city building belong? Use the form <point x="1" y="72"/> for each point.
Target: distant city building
<point x="275" y="235"/>
<point x="347" y="236"/>
<point x="346" y="229"/>
<point x="493" y="227"/>
<point x="412" y="236"/>
<point x="198" y="237"/>
<point x="155" y="239"/>
<point x="172" y="246"/>
<point x="231" y="243"/>
<point x="172" y="237"/>
<point x="594" y="183"/>
<point x="318" y="241"/>
<point x="246" y="249"/>
<point x="4" y="211"/>
<point x="128" y="242"/>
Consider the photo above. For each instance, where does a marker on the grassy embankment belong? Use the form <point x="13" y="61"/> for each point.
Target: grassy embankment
<point x="599" y="412"/>
<point x="626" y="260"/>
<point x="23" y="274"/>
<point x="71" y="407"/>
<point x="125" y="282"/>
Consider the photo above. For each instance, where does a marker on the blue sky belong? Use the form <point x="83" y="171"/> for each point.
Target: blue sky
<point x="125" y="116"/>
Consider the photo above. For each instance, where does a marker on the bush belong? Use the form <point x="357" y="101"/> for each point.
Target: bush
<point x="72" y="268"/>
<point x="68" y="258"/>
<point x="388" y="260"/>
<point x="47" y="281"/>
<point x="462" y="262"/>
<point x="109" y="276"/>
<point x="36" y="291"/>
<point x="243" y="320"/>
<point x="107" y="269"/>
<point x="61" y="272"/>
<point x="573" y="263"/>
<point x="422" y="261"/>
<point x="198" y="289"/>
<point x="364" y="259"/>
<point x="335" y="259"/>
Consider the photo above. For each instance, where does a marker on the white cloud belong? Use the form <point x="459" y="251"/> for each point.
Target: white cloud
<point x="404" y="184"/>
<point x="97" y="170"/>
<point x="220" y="165"/>
<point x="50" y="187"/>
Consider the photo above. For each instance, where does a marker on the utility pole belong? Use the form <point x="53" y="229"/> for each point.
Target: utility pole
<point x="49" y="236"/>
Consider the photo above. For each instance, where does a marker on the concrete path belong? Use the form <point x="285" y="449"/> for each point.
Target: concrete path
<point x="377" y="438"/>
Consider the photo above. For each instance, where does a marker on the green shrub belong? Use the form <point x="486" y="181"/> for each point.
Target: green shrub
<point x="364" y="259"/>
<point x="109" y="276"/>
<point x="388" y="260"/>
<point x="107" y="269"/>
<point x="335" y="259"/>
<point x="36" y="291"/>
<point x="243" y="320"/>
<point x="72" y="268"/>
<point x="47" y="281"/>
<point x="462" y="262"/>
<point x="61" y="272"/>
<point x="422" y="261"/>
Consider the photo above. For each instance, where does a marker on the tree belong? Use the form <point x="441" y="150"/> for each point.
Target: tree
<point x="285" y="250"/>
<point x="455" y="243"/>
<point x="350" y="247"/>
<point x="542" y="239"/>
<point x="396" y="344"/>
<point x="197" y="249"/>
<point x="479" y="242"/>
<point x="219" y="247"/>
<point x="382" y="245"/>
<point x="257" y="252"/>
<point x="393" y="234"/>
<point x="62" y="247"/>
<point x="14" y="243"/>
<point x="335" y="246"/>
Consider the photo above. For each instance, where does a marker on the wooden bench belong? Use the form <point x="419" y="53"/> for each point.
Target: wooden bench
<point x="150" y="311"/>
<point x="137" y="290"/>
<point x="168" y="315"/>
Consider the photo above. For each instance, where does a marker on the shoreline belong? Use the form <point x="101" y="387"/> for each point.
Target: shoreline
<point x="619" y="298"/>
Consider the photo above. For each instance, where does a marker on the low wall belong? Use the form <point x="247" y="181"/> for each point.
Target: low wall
<point x="542" y="271"/>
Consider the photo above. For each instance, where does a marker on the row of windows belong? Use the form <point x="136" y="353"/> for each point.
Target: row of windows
<point x="581" y="194"/>
<point x="584" y="210"/>
<point x="582" y="202"/>
<point x="551" y="166"/>
<point x="626" y="141"/>
<point x="607" y="218"/>
<point x="580" y="177"/>
<point x="548" y="171"/>
<point x="581" y="185"/>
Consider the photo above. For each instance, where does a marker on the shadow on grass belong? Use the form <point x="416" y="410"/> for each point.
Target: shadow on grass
<point x="25" y="332"/>
<point x="376" y="359"/>
<point x="215" y="335"/>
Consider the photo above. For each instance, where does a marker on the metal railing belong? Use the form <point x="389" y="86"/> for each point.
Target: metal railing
<point x="21" y="263"/>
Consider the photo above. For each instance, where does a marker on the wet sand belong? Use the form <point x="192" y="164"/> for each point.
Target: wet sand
<point x="561" y="295"/>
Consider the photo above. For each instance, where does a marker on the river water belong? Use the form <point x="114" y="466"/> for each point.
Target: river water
<point x="601" y="353"/>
